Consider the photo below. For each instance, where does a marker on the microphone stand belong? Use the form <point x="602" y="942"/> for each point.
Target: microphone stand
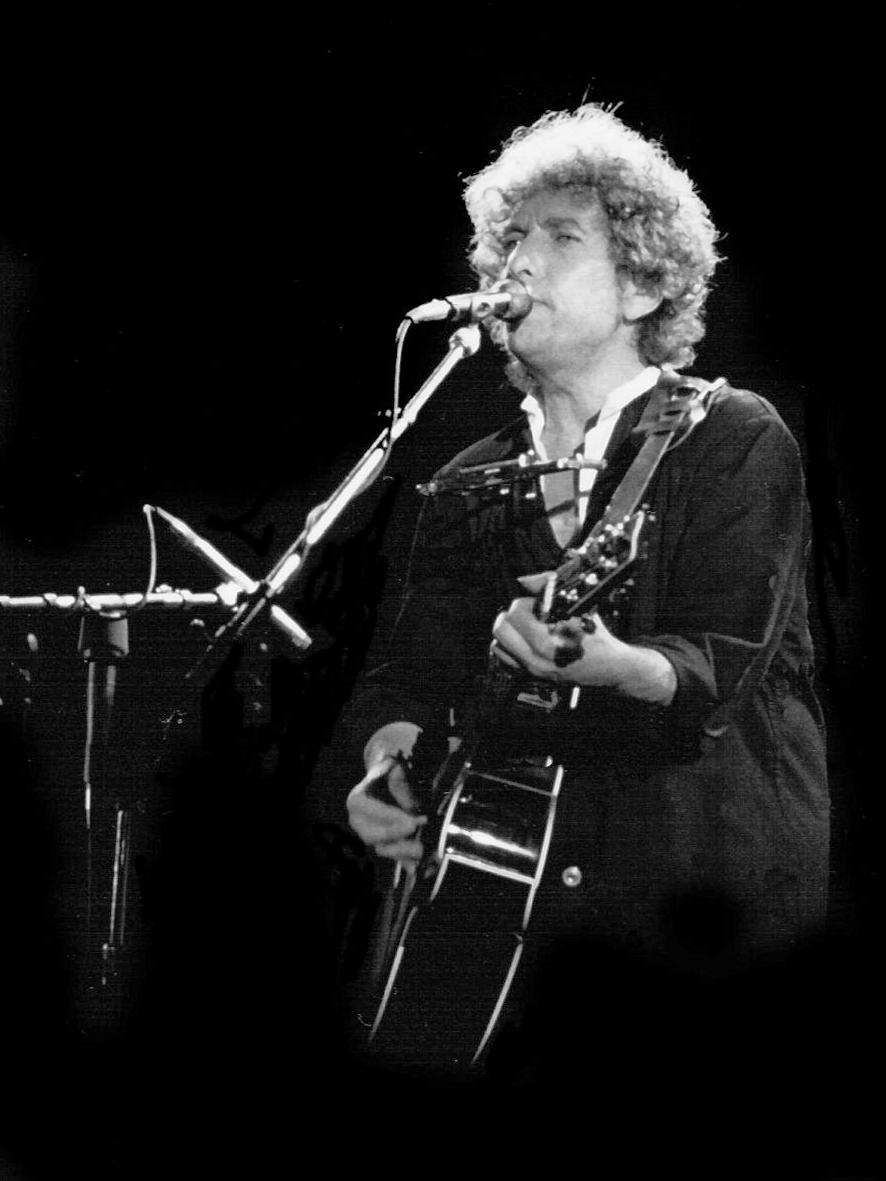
<point x="462" y="344"/>
<point x="103" y="643"/>
<point x="248" y="598"/>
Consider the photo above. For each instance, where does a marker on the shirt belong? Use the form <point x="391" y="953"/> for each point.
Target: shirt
<point x="597" y="436"/>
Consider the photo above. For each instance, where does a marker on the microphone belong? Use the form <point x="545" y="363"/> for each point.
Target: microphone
<point x="507" y="300"/>
<point x="217" y="560"/>
<point x="207" y="551"/>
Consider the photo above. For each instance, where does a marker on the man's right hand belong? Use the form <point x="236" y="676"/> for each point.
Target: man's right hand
<point x="389" y="828"/>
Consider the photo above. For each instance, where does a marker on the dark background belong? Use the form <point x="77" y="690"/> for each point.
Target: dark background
<point x="209" y="231"/>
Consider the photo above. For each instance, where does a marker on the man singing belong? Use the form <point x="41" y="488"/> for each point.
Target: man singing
<point x="691" y="831"/>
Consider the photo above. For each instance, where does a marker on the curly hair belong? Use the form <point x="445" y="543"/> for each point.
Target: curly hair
<point x="660" y="230"/>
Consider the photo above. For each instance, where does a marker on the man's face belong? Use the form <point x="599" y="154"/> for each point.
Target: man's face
<point x="558" y="246"/>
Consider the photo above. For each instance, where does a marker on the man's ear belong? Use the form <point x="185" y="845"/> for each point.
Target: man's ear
<point x="637" y="302"/>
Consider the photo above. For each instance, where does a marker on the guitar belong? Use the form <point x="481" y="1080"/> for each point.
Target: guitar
<point x="493" y="807"/>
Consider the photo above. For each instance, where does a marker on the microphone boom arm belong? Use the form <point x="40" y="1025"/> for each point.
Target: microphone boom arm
<point x="462" y="344"/>
<point x="109" y="604"/>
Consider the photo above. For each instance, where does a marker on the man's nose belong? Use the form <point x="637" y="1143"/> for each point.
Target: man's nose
<point x="523" y="261"/>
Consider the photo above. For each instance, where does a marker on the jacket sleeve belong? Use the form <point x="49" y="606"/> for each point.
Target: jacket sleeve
<point x="732" y="563"/>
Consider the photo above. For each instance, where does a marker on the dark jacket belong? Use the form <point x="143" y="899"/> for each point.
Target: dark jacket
<point x="696" y="827"/>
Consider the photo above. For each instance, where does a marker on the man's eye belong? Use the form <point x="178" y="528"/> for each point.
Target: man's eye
<point x="567" y="238"/>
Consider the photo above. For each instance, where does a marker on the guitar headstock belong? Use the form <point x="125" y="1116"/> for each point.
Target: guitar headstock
<point x="597" y="572"/>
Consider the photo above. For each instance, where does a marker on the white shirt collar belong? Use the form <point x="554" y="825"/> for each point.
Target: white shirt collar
<point x="616" y="400"/>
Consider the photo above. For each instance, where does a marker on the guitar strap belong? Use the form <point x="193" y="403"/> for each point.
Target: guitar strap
<point x="678" y="404"/>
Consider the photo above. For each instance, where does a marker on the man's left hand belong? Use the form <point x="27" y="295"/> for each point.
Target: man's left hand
<point x="568" y="655"/>
<point x="564" y="653"/>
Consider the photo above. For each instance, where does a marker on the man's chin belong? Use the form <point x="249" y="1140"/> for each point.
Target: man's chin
<point x="522" y="341"/>
<point x="518" y="330"/>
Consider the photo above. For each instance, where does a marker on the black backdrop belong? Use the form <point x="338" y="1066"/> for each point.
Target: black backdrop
<point x="208" y="233"/>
